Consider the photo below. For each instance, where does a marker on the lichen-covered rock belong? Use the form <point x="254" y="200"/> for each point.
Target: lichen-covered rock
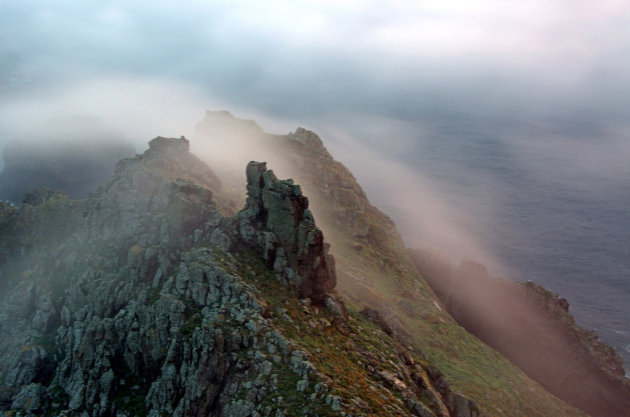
<point x="136" y="311"/>
<point x="28" y="399"/>
<point x="287" y="238"/>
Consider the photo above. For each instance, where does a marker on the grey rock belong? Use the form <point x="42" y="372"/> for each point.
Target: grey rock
<point x="28" y="399"/>
<point x="419" y="409"/>
<point x="293" y="242"/>
<point x="302" y="385"/>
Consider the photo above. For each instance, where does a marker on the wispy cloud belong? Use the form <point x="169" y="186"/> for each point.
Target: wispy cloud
<point x="315" y="57"/>
<point x="397" y="77"/>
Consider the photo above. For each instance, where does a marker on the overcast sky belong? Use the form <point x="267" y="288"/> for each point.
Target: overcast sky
<point x="388" y="76"/>
<point x="303" y="60"/>
<point x="494" y="130"/>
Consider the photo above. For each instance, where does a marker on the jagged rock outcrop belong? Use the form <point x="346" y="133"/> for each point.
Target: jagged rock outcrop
<point x="146" y="300"/>
<point x="603" y="355"/>
<point x="374" y="269"/>
<point x="73" y="156"/>
<point x="128" y="316"/>
<point x="535" y="330"/>
<point x="290" y="241"/>
<point x="223" y="126"/>
<point x="159" y="197"/>
<point x="154" y="297"/>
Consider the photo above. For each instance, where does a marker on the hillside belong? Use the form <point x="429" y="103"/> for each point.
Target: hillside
<point x="534" y="329"/>
<point x="161" y="295"/>
<point x="374" y="269"/>
<point x="145" y="300"/>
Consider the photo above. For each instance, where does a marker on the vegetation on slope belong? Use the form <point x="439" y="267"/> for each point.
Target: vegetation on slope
<point x="134" y="312"/>
<point x="375" y="270"/>
<point x="534" y="329"/>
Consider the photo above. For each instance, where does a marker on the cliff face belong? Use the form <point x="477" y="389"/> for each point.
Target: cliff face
<point x="155" y="296"/>
<point x="375" y="272"/>
<point x="147" y="299"/>
<point x="535" y="330"/>
<point x="294" y="244"/>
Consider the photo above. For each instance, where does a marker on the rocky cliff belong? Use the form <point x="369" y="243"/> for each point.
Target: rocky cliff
<point x="535" y="330"/>
<point x="152" y="298"/>
<point x="157" y="296"/>
<point x="374" y="270"/>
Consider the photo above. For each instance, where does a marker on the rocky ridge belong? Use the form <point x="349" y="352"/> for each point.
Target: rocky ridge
<point x="280" y="207"/>
<point x="375" y="271"/>
<point x="146" y="299"/>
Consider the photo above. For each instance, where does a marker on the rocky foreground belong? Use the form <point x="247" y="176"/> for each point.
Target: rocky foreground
<point x="169" y="291"/>
<point x="151" y="298"/>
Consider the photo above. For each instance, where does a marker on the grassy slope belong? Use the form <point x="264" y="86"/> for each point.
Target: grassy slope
<point x="335" y="347"/>
<point x="471" y="367"/>
<point x="376" y="270"/>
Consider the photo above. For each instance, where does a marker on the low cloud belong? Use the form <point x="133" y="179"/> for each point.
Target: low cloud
<point x="442" y="109"/>
<point x="428" y="211"/>
<point x="312" y="59"/>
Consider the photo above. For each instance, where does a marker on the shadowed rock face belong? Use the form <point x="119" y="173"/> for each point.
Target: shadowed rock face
<point x="279" y="207"/>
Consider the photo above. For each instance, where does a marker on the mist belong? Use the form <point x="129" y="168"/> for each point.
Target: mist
<point x="472" y="127"/>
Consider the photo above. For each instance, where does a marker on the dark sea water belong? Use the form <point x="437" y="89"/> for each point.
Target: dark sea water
<point x="550" y="200"/>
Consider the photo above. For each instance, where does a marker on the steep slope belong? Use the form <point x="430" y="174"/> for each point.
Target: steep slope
<point x="147" y="300"/>
<point x="375" y="271"/>
<point x="535" y="330"/>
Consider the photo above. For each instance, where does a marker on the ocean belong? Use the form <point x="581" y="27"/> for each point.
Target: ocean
<point x="549" y="200"/>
